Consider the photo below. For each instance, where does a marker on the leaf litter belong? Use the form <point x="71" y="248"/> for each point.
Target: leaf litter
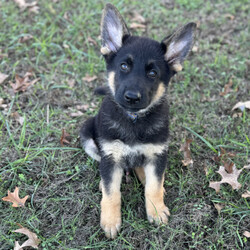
<point x="185" y="148"/>
<point x="32" y="241"/>
<point x="230" y="178"/>
<point x="15" y="199"/>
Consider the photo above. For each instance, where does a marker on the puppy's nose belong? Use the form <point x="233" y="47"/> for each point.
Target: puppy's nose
<point x="132" y="97"/>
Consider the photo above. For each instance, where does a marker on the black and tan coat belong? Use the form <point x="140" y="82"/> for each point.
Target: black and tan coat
<point x="131" y="129"/>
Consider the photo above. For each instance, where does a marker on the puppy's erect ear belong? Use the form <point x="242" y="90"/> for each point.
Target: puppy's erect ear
<point x="113" y="29"/>
<point x="178" y="45"/>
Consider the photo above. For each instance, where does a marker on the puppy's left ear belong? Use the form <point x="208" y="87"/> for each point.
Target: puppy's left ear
<point x="113" y="30"/>
<point x="178" y="45"/>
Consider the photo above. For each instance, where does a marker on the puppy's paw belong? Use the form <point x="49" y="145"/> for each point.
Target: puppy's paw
<point x="158" y="214"/>
<point x="111" y="225"/>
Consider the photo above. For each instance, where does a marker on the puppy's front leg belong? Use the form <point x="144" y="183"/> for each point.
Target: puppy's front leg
<point x="154" y="195"/>
<point x="111" y="175"/>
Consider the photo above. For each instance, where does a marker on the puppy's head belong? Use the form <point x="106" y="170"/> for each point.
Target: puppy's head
<point x="139" y="68"/>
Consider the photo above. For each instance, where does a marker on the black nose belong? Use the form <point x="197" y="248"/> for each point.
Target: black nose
<point x="132" y="97"/>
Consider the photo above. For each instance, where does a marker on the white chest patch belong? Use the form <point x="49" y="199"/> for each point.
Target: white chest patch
<point x="117" y="149"/>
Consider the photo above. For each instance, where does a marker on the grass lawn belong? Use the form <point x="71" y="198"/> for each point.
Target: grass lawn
<point x="59" y="46"/>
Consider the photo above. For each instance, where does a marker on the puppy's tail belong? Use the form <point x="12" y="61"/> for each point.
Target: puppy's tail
<point x="101" y="90"/>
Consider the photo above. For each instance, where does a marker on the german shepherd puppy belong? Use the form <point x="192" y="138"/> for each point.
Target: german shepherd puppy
<point x="131" y="129"/>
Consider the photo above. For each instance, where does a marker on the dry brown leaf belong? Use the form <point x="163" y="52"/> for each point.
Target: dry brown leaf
<point x="14" y="198"/>
<point x="3" y="77"/>
<point x="138" y="18"/>
<point x="64" y="137"/>
<point x="242" y="105"/>
<point x="88" y="78"/>
<point x="22" y="83"/>
<point x="23" y="5"/>
<point x="76" y="114"/>
<point x="24" y="39"/>
<point x="246" y="194"/>
<point x="33" y="240"/>
<point x="227" y="87"/>
<point x="83" y="107"/>
<point x="137" y="26"/>
<point x="91" y="40"/>
<point x="18" y="118"/>
<point x="230" y="16"/>
<point x="218" y="207"/>
<point x="185" y="148"/>
<point x="224" y="158"/>
<point x="71" y="82"/>
<point x="230" y="178"/>
<point x="247" y="234"/>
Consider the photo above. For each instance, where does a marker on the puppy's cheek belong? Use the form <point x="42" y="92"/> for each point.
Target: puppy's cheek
<point x="160" y="92"/>
<point x="111" y="81"/>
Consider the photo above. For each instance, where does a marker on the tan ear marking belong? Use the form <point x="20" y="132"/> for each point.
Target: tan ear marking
<point x="105" y="50"/>
<point x="177" y="67"/>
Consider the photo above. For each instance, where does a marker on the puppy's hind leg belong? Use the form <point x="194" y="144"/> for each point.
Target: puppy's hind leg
<point x="87" y="135"/>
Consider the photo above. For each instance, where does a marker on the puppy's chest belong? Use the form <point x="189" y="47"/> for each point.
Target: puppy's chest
<point x="130" y="156"/>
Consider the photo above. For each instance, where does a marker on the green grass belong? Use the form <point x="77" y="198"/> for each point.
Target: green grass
<point x="63" y="183"/>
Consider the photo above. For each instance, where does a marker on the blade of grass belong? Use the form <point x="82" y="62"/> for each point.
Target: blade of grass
<point x="203" y="139"/>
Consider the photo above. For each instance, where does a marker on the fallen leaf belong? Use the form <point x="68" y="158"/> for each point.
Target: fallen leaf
<point x="91" y="40"/>
<point x="23" y="5"/>
<point x="24" y="39"/>
<point x="138" y="18"/>
<point x="206" y="170"/>
<point x="246" y="194"/>
<point x="64" y="136"/>
<point x="224" y="158"/>
<point x="18" y="118"/>
<point x="71" y="82"/>
<point x="227" y="87"/>
<point x="137" y="26"/>
<point x="218" y="207"/>
<point x="242" y="105"/>
<point x="3" y="77"/>
<point x="89" y="78"/>
<point x="247" y="234"/>
<point x="185" y="148"/>
<point x="83" y="107"/>
<point x="14" y="198"/>
<point x="230" y="178"/>
<point x="76" y="114"/>
<point x="22" y="83"/>
<point x="17" y="246"/>
<point x="230" y="16"/>
<point x="33" y="240"/>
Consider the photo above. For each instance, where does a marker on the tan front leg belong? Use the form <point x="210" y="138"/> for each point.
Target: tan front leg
<point x="111" y="205"/>
<point x="156" y="210"/>
<point x="141" y="175"/>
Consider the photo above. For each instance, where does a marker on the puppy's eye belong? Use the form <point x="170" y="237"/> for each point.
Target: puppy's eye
<point x="152" y="73"/>
<point x="124" y="67"/>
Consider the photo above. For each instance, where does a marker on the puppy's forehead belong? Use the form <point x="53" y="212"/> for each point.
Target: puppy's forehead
<point x="142" y="49"/>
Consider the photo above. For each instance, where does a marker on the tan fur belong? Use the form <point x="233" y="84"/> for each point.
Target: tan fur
<point x="177" y="67"/>
<point x="118" y="149"/>
<point x="111" y="81"/>
<point x="159" y="94"/>
<point x="105" y="50"/>
<point x="154" y="195"/>
<point x="141" y="175"/>
<point x="111" y="205"/>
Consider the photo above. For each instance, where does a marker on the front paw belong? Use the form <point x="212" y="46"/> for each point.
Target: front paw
<point x="158" y="213"/>
<point x="111" y="224"/>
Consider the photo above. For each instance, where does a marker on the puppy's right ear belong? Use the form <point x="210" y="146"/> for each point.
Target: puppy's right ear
<point x="113" y="30"/>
